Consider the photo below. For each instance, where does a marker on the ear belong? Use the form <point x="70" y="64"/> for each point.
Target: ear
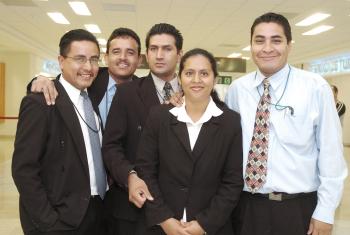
<point x="179" y="55"/>
<point x="289" y="45"/>
<point x="106" y="59"/>
<point x="140" y="60"/>
<point x="146" y="55"/>
<point x="60" y="61"/>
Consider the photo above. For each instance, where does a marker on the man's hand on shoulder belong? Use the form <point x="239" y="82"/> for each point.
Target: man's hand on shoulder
<point x="44" y="85"/>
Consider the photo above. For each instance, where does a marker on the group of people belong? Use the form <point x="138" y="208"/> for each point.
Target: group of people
<point x="100" y="151"/>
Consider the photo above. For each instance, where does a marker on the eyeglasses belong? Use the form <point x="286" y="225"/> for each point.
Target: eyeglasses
<point x="82" y="60"/>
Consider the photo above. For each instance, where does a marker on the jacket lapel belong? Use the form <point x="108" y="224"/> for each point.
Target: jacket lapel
<point x="147" y="93"/>
<point x="181" y="133"/>
<point x="206" y="134"/>
<point x="69" y="116"/>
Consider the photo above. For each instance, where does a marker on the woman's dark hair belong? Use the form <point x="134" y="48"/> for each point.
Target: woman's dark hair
<point x="212" y="61"/>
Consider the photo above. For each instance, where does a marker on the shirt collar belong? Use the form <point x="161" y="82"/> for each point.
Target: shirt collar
<point x="111" y="83"/>
<point x="159" y="83"/>
<point x="73" y="92"/>
<point x="211" y="111"/>
<point x="275" y="80"/>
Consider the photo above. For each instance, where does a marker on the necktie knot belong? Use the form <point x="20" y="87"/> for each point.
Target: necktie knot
<point x="167" y="90"/>
<point x="266" y="83"/>
<point x="84" y="94"/>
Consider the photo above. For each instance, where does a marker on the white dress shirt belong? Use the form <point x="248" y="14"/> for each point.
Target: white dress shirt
<point x="159" y="83"/>
<point x="77" y="100"/>
<point x="305" y="149"/>
<point x="194" y="128"/>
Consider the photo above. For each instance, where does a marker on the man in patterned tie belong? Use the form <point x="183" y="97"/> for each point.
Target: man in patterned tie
<point x="57" y="163"/>
<point x="292" y="146"/>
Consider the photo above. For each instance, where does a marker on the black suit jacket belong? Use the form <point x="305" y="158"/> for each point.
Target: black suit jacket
<point x="49" y="164"/>
<point x="126" y="119"/>
<point x="207" y="180"/>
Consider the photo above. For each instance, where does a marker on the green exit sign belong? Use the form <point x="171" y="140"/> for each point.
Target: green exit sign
<point x="224" y="80"/>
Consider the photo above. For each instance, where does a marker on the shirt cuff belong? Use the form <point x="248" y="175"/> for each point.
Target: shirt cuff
<point x="324" y="214"/>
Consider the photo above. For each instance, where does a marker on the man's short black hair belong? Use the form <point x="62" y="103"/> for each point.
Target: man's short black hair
<point x="273" y="18"/>
<point x="124" y="32"/>
<point x="75" y="35"/>
<point x="164" y="28"/>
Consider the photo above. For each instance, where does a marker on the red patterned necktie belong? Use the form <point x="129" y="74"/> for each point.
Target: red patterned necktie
<point x="255" y="175"/>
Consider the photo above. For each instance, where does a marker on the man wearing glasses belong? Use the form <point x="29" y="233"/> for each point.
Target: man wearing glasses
<point x="57" y="164"/>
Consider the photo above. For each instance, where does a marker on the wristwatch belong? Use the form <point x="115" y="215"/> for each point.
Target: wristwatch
<point x="132" y="172"/>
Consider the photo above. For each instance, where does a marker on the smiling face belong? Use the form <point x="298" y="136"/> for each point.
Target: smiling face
<point x="163" y="56"/>
<point x="122" y="57"/>
<point x="269" y="48"/>
<point x="80" y="75"/>
<point x="197" y="79"/>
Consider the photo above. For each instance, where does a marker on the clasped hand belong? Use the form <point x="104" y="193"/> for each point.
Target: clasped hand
<point x="175" y="227"/>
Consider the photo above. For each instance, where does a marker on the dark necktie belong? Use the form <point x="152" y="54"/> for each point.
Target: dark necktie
<point x="255" y="175"/>
<point x="100" y="172"/>
<point x="167" y="91"/>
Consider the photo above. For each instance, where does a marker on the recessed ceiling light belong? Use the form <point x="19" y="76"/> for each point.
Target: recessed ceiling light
<point x="318" y="30"/>
<point x="58" y="17"/>
<point x="80" y="8"/>
<point x="313" y="19"/>
<point x="292" y="41"/>
<point x="92" y="28"/>
<point x="247" y="48"/>
<point x="102" y="41"/>
<point x="234" y="55"/>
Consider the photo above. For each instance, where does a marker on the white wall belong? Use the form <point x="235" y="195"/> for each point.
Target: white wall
<point x="19" y="69"/>
<point x="343" y="84"/>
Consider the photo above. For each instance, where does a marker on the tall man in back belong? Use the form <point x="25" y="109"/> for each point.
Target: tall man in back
<point x="57" y="162"/>
<point x="127" y="117"/>
<point x="292" y="145"/>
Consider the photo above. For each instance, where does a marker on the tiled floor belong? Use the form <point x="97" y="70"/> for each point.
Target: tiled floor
<point x="9" y="222"/>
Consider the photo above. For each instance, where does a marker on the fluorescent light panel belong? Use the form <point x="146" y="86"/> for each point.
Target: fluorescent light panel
<point x="245" y="58"/>
<point x="318" y="30"/>
<point x="102" y="41"/>
<point x="80" y="8"/>
<point x="247" y="48"/>
<point x="313" y="19"/>
<point x="92" y="28"/>
<point x="234" y="55"/>
<point x="58" y="17"/>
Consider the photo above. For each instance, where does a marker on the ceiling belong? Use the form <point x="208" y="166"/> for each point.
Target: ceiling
<point x="220" y="26"/>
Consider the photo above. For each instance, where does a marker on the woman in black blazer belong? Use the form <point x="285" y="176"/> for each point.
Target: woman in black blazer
<point x="191" y="157"/>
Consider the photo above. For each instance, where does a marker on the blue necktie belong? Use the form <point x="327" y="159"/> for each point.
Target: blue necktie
<point x="100" y="172"/>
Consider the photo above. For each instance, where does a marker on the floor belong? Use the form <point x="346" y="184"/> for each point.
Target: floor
<point x="9" y="220"/>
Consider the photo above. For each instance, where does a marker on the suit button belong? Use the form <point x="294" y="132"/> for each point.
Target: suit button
<point x="62" y="143"/>
<point x="184" y="189"/>
<point x="139" y="128"/>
